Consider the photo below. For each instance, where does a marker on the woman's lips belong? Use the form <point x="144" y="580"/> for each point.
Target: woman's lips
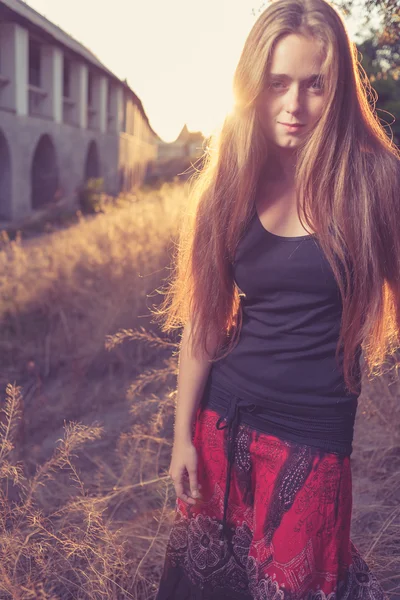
<point x="292" y="128"/>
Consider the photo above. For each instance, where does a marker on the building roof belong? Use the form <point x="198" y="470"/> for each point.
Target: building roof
<point x="24" y="14"/>
<point x="185" y="137"/>
<point x="189" y="136"/>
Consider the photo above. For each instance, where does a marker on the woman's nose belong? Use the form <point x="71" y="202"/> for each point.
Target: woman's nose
<point x="293" y="100"/>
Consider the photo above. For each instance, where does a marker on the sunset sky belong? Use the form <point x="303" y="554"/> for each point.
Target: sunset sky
<point x="178" y="56"/>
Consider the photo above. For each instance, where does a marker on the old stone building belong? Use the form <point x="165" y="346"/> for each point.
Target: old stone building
<point x="64" y="117"/>
<point x="178" y="157"/>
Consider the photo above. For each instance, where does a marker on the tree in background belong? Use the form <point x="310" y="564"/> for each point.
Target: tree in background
<point x="388" y="12"/>
<point x="381" y="61"/>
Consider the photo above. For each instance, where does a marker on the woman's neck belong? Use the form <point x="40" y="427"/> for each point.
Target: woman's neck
<point x="280" y="167"/>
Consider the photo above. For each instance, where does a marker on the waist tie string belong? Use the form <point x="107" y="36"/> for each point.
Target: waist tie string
<point x="235" y="406"/>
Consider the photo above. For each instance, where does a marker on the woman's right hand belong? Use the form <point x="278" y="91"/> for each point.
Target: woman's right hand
<point x="183" y="467"/>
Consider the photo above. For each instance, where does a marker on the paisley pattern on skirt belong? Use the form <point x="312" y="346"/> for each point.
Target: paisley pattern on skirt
<point x="288" y="518"/>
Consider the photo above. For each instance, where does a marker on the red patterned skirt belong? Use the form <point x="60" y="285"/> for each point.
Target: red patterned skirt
<point x="284" y="534"/>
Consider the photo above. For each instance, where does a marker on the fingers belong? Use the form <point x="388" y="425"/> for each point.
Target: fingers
<point x="183" y="472"/>
<point x="183" y="493"/>
<point x="183" y="490"/>
<point x="194" y="486"/>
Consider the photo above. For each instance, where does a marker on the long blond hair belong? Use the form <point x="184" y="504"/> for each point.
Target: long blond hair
<point x="347" y="174"/>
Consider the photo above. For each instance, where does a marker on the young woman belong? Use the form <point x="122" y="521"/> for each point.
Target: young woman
<point x="275" y="316"/>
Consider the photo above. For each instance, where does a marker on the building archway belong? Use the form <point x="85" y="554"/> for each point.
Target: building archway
<point x="121" y="180"/>
<point x="5" y="179"/>
<point x="44" y="173"/>
<point x="92" y="164"/>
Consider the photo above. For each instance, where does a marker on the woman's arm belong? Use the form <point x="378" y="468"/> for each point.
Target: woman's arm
<point x="193" y="371"/>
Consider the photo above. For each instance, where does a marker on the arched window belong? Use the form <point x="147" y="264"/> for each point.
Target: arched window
<point x="44" y="173"/>
<point x="5" y="179"/>
<point x="92" y="165"/>
<point x="122" y="179"/>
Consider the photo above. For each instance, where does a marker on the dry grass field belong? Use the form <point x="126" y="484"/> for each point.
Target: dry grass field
<point x="87" y="399"/>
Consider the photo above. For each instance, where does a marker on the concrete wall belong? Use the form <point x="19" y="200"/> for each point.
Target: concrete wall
<point x="137" y="150"/>
<point x="65" y="125"/>
<point x="71" y="146"/>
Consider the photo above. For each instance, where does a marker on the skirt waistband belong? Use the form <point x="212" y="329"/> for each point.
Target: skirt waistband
<point x="328" y="430"/>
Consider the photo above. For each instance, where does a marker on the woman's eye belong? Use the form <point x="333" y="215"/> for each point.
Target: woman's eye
<point x="315" y="85"/>
<point x="318" y="85"/>
<point x="276" y="85"/>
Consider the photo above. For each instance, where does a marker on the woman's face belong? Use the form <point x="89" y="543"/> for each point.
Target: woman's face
<point x="293" y="93"/>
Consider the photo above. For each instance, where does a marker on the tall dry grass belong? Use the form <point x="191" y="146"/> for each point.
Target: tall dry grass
<point x="87" y="415"/>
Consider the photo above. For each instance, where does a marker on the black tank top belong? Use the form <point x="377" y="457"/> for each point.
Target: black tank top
<point x="284" y="360"/>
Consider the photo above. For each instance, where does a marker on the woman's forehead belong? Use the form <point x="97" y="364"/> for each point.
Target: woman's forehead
<point x="294" y="55"/>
